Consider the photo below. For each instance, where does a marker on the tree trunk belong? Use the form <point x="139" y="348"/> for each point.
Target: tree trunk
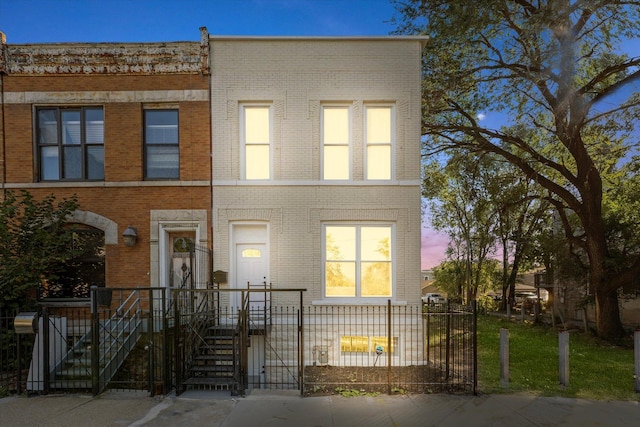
<point x="608" y="321"/>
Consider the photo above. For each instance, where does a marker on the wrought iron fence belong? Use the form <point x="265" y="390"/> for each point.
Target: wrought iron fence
<point x="324" y="348"/>
<point x="12" y="346"/>
<point x="116" y="341"/>
<point x="406" y="348"/>
<point x="146" y="339"/>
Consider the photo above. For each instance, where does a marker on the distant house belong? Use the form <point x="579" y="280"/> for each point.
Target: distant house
<point x="426" y="286"/>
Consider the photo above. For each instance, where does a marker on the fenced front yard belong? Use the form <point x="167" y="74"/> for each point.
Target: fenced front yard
<point x="195" y="339"/>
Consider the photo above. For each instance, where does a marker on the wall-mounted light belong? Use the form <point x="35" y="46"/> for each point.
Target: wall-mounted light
<point x="130" y="236"/>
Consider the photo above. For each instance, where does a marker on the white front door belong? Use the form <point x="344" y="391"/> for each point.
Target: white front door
<point x="252" y="272"/>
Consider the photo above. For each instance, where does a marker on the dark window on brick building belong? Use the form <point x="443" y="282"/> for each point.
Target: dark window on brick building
<point x="70" y="143"/>
<point x="161" y="148"/>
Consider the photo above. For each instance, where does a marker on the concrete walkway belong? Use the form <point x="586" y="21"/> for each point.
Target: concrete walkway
<point x="273" y="408"/>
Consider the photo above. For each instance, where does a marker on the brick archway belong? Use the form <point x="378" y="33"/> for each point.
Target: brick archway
<point x="109" y="227"/>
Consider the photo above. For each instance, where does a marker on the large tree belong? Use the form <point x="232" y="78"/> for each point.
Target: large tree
<point x="556" y="74"/>
<point x="462" y="207"/>
<point x="34" y="243"/>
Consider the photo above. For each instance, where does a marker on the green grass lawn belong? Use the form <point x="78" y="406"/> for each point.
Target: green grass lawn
<point x="597" y="370"/>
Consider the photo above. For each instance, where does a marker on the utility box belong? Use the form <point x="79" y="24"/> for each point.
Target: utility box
<point x="321" y="355"/>
<point x="26" y="323"/>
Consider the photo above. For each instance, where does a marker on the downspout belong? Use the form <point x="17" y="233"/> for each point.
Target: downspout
<point x="205" y="68"/>
<point x="3" y="67"/>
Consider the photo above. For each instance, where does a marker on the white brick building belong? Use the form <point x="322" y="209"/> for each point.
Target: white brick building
<point x="317" y="140"/>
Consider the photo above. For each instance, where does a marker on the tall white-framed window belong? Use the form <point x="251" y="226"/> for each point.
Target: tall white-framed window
<point x="336" y="138"/>
<point x="358" y="260"/>
<point x="379" y="131"/>
<point x="256" y="137"/>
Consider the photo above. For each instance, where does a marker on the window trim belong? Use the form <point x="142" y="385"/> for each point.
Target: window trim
<point x="358" y="298"/>
<point x="349" y="143"/>
<point x="391" y="144"/>
<point x="145" y="145"/>
<point x="243" y="143"/>
<point x="84" y="145"/>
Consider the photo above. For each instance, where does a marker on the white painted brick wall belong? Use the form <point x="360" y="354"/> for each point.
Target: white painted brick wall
<point x="297" y="76"/>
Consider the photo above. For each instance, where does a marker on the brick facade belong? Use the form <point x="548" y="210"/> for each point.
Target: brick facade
<point x="123" y="79"/>
<point x="208" y="82"/>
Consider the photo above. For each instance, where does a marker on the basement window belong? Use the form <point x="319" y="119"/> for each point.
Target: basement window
<point x="358" y="344"/>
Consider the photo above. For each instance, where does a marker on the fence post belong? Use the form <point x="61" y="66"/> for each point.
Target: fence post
<point x="46" y="350"/>
<point x="301" y="345"/>
<point x="150" y="344"/>
<point x="178" y="343"/>
<point x="504" y="357"/>
<point x="425" y="309"/>
<point x="166" y="369"/>
<point x="448" y="339"/>
<point x="563" y="352"/>
<point x="95" y="342"/>
<point x="389" y="346"/>
<point x="475" y="347"/>
<point x="636" y="351"/>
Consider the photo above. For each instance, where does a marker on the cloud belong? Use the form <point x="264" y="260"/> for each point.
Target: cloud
<point x="481" y="116"/>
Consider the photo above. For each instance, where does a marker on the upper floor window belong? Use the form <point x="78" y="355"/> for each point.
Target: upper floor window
<point x="336" y="137"/>
<point x="358" y="261"/>
<point x="256" y="141"/>
<point x="70" y="143"/>
<point x="379" y="126"/>
<point x="161" y="147"/>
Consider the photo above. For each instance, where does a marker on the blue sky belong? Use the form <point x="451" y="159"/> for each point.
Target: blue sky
<point x="46" y="21"/>
<point x="63" y="21"/>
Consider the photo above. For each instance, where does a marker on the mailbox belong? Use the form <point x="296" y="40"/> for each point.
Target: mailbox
<point x="219" y="276"/>
<point x="26" y="323"/>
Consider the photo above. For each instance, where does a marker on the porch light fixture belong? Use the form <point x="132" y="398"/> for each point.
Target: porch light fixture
<point x="130" y="236"/>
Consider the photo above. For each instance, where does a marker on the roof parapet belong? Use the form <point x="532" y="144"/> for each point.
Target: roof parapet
<point x="107" y="58"/>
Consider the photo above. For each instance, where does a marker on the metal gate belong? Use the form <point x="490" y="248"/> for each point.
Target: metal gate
<point x="322" y="349"/>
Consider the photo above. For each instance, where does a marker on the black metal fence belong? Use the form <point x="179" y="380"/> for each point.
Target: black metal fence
<point x="238" y="340"/>
<point x="392" y="349"/>
<point x="117" y="341"/>
<point x="12" y="347"/>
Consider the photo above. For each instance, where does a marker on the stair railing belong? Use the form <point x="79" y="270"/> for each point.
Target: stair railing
<point x="119" y="336"/>
<point x="191" y="337"/>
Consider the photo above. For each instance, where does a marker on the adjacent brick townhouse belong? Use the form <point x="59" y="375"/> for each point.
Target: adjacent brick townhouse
<point x="125" y="127"/>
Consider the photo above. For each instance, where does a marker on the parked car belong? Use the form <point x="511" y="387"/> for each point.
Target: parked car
<point x="525" y="300"/>
<point x="433" y="298"/>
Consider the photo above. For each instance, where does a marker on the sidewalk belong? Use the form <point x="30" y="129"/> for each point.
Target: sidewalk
<point x="283" y="408"/>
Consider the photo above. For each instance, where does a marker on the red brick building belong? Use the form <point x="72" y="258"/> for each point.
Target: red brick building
<point x="126" y="128"/>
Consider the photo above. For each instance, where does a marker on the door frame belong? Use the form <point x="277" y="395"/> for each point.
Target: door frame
<point x="247" y="232"/>
<point x="163" y="222"/>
